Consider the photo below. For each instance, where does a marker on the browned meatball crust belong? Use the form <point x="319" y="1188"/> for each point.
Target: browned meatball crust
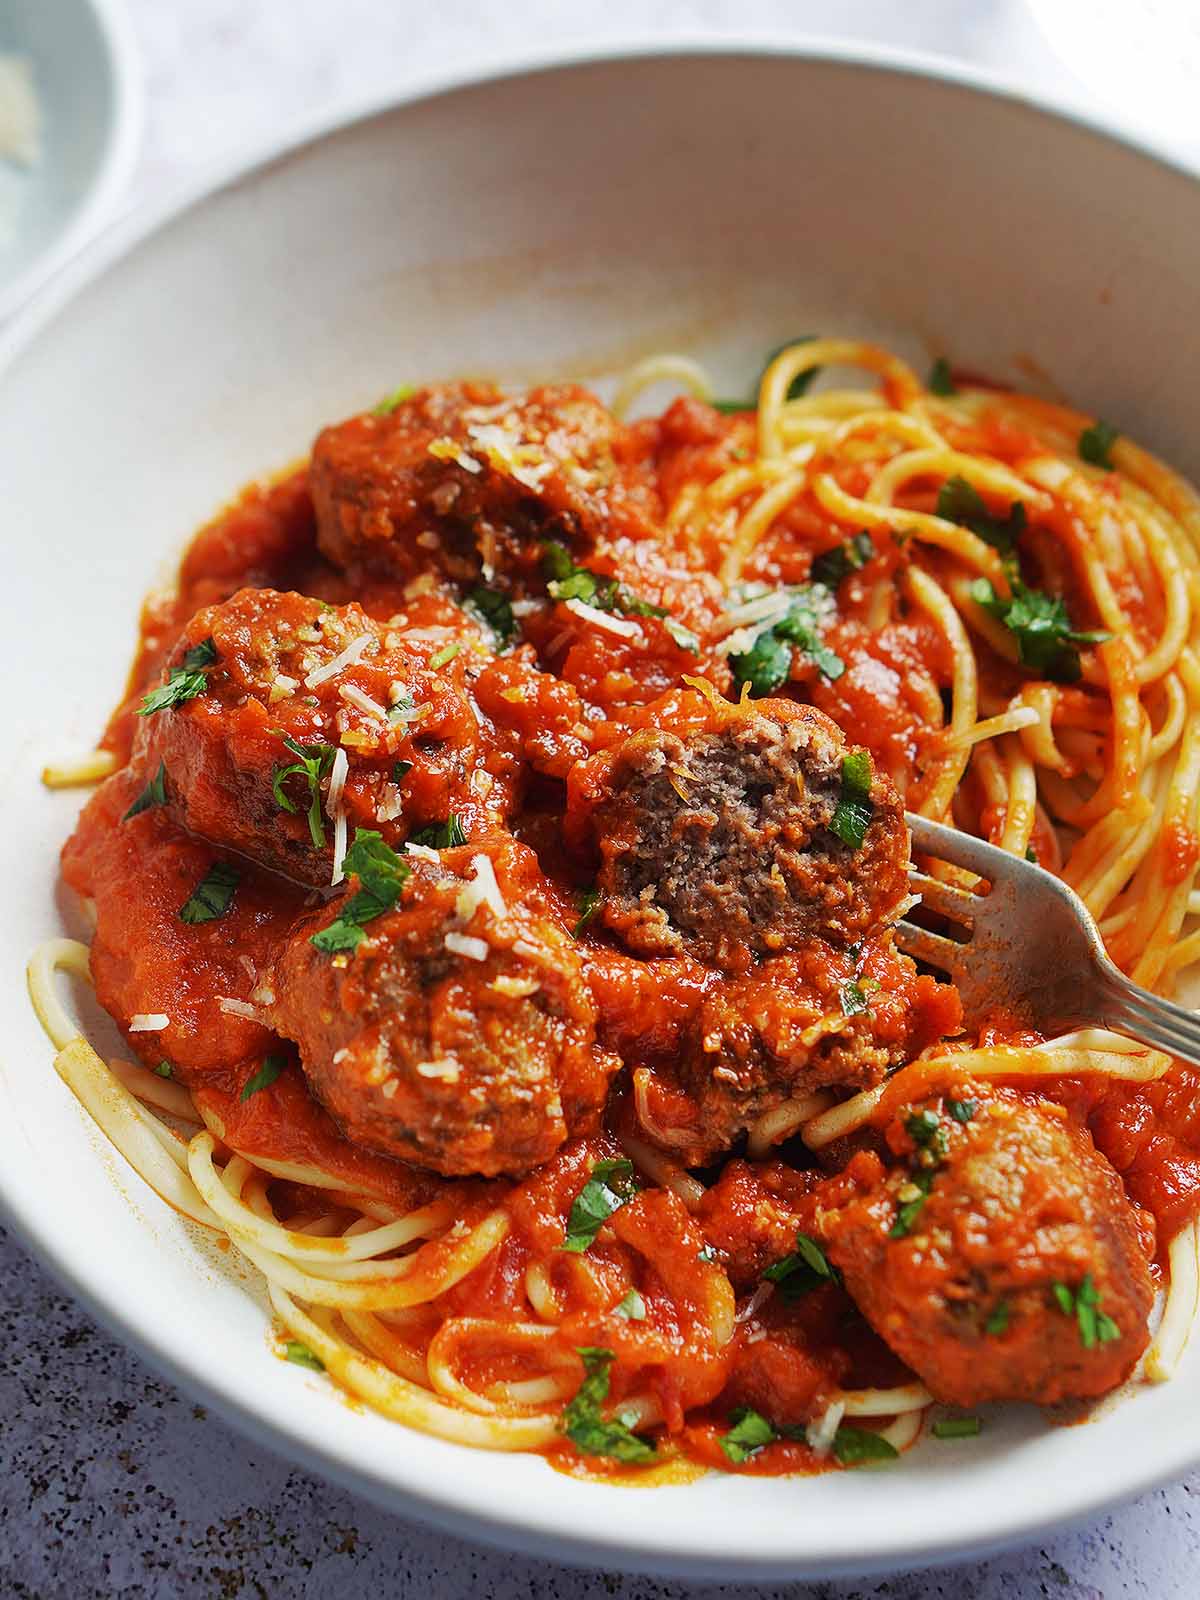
<point x="452" y="1037"/>
<point x="720" y="842"/>
<point x="463" y="478"/>
<point x="1019" y="1275"/>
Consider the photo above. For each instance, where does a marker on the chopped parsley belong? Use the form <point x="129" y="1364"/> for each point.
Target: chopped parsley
<point x="1031" y="855"/>
<point x="401" y="771"/>
<point x="957" y="1428"/>
<point x="910" y="1209"/>
<point x="381" y="875"/>
<point x="795" y="389"/>
<point x="397" y="397"/>
<point x="164" y="1069"/>
<point x="265" y="1076"/>
<point x="854" y="1446"/>
<point x="853" y="998"/>
<point x="849" y="556"/>
<point x="1096" y="442"/>
<point x="402" y="704"/>
<point x="749" y="1433"/>
<point x="852" y="817"/>
<point x="494" y="609"/>
<point x="184" y="682"/>
<point x="806" y="1268"/>
<point x="708" y="1255"/>
<point x="941" y="380"/>
<point x="610" y="1186"/>
<point x="567" y="581"/>
<point x="154" y="794"/>
<point x="588" y="1431"/>
<point x="312" y="766"/>
<point x="589" y="904"/>
<point x="767" y="665"/>
<point x="632" y="1307"/>
<point x="962" y="1110"/>
<point x="302" y="1356"/>
<point x="960" y="501"/>
<point x="211" y="896"/>
<point x="1095" y="1326"/>
<point x="925" y="1130"/>
<point x="445" y="655"/>
<point x="997" y="1322"/>
<point x="440" y="835"/>
<point x="1041" y="627"/>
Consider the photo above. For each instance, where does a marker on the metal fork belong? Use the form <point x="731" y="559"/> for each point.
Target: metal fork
<point x="1029" y="945"/>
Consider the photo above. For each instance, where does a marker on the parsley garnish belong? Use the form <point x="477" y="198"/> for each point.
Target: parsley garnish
<point x="853" y="1446"/>
<point x="852" y="998"/>
<point x="849" y="556"/>
<point x="265" y="1076"/>
<point x="567" y="581"/>
<point x="1095" y="1326"/>
<point x="909" y="1210"/>
<point x="749" y="1433"/>
<point x="852" y="817"/>
<point x="381" y="875"/>
<point x="184" y="682"/>
<point x="164" y="1069"/>
<point x="957" y="1428"/>
<point x="401" y="771"/>
<point x="211" y="896"/>
<point x="387" y="405"/>
<point x="806" y="1268"/>
<point x="962" y="1110"/>
<point x="440" y="835"/>
<point x="1039" y="623"/>
<point x="960" y="501"/>
<point x="610" y="1186"/>
<point x="708" y="1255"/>
<point x="1031" y="855"/>
<point x="495" y="610"/>
<point x="767" y="665"/>
<point x="632" y="1307"/>
<point x="925" y="1130"/>
<point x="796" y="388"/>
<point x="313" y="766"/>
<point x="589" y="904"/>
<point x="154" y="794"/>
<point x="1096" y="442"/>
<point x="302" y="1356"/>
<point x="997" y="1322"/>
<point x="940" y="379"/>
<point x="445" y="655"/>
<point x="588" y="1431"/>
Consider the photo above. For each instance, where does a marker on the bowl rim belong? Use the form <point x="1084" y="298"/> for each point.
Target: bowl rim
<point x="535" y="1532"/>
<point x="121" y="145"/>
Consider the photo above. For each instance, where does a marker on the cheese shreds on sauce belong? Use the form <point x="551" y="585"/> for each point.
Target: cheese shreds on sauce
<point x="621" y="626"/>
<point x="344" y="658"/>
<point x="149" y="1022"/>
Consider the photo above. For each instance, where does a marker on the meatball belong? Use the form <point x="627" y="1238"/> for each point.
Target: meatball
<point x="1001" y="1259"/>
<point x="720" y="843"/>
<point x="459" y="1035"/>
<point x="816" y="1018"/>
<point x="279" y="684"/>
<point x="468" y="480"/>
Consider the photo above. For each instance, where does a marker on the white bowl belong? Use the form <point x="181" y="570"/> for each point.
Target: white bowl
<point x="553" y="221"/>
<point x="89" y="89"/>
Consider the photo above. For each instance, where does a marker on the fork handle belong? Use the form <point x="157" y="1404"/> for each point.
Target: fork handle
<point x="1151" y="1020"/>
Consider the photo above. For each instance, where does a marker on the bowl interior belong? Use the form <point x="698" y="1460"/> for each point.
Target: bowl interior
<point x="555" y="223"/>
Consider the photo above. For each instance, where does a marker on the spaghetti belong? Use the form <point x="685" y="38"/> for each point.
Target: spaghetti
<point x="996" y="596"/>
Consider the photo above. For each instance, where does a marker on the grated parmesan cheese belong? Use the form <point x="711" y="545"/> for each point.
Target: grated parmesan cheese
<point x="239" y="1008"/>
<point x="339" y="848"/>
<point x="344" y="658"/>
<point x="354" y="696"/>
<point x="423" y="852"/>
<point x="148" y="1022"/>
<point x="463" y="944"/>
<point x="821" y="1433"/>
<point x="480" y="890"/>
<point x="339" y="771"/>
<point x="446" y="1068"/>
<point x="621" y="626"/>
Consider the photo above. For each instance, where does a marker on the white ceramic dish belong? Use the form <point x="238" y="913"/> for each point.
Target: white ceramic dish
<point x="557" y="220"/>
<point x="89" y="90"/>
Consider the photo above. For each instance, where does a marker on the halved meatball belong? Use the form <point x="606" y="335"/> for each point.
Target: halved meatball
<point x="1001" y="1258"/>
<point x="464" y="479"/>
<point x="453" y="1037"/>
<point x="721" y="842"/>
<point x="816" y="1018"/>
<point x="279" y="685"/>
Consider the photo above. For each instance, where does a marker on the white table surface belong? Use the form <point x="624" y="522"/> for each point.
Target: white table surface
<point x="111" y="1482"/>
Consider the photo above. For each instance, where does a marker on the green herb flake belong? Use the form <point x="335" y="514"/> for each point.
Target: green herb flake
<point x="265" y="1076"/>
<point x="708" y="1255"/>
<point x="588" y="1431"/>
<point x="211" y="896"/>
<point x="1064" y="1298"/>
<point x="853" y="1000"/>
<point x="767" y="665"/>
<point x="495" y="611"/>
<point x="381" y="875"/>
<point x="962" y="1110"/>
<point x="1031" y="855"/>
<point x="959" y="501"/>
<point x="312" y="767"/>
<point x="589" y="904"/>
<point x="997" y="1322"/>
<point x="632" y="1307"/>
<point x="957" y="1428"/>
<point x="800" y="383"/>
<point x="440" y="835"/>
<point x="925" y="1130"/>
<point x="806" y="1268"/>
<point x="164" y="1069"/>
<point x="1041" y="627"/>
<point x="831" y="567"/>
<point x="567" y="581"/>
<point x="389" y="403"/>
<point x="749" y="1433"/>
<point x="445" y="655"/>
<point x="180" y="687"/>
<point x="610" y="1186"/>
<point x="401" y="770"/>
<point x="154" y="794"/>
<point x="1096" y="442"/>
<point x="854" y="1447"/>
<point x="200" y="655"/>
<point x="941" y="380"/>
<point x="301" y="1356"/>
<point x="909" y="1210"/>
<point x="854" y="808"/>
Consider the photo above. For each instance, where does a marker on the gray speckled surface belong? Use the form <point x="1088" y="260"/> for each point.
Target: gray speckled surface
<point x="111" y="1482"/>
